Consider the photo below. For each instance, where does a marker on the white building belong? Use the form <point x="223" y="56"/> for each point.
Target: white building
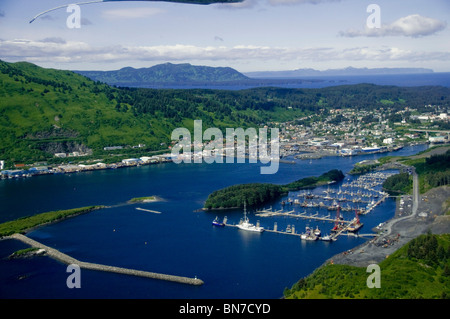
<point x="436" y="139"/>
<point x="60" y="155"/>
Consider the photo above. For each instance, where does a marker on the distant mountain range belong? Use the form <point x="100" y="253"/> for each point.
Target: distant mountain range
<point x="166" y="74"/>
<point x="336" y="72"/>
<point x="176" y="75"/>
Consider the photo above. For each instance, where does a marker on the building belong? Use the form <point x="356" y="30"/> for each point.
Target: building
<point x="437" y="139"/>
<point x="60" y="155"/>
<point x="131" y="161"/>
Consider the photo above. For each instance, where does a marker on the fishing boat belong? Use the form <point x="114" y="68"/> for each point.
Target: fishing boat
<point x="244" y="224"/>
<point x="326" y="238"/>
<point x="308" y="235"/>
<point x="217" y="223"/>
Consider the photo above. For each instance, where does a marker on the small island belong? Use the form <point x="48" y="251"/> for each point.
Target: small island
<point x="256" y="194"/>
<point x="146" y="199"/>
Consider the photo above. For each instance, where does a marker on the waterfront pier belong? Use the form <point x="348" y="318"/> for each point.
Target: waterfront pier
<point x="304" y="215"/>
<point x="119" y="270"/>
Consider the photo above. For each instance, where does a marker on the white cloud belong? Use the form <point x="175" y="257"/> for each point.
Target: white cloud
<point x="131" y="13"/>
<point x="52" y="50"/>
<point x="410" y="26"/>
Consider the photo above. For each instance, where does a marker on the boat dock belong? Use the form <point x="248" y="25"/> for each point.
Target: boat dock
<point x="119" y="270"/>
<point x="304" y="215"/>
<point x="290" y="230"/>
<point x="362" y="190"/>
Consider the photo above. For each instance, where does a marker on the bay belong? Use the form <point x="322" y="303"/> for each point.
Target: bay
<point x="179" y="241"/>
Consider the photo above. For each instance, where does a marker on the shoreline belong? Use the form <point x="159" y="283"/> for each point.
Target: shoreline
<point x="158" y="159"/>
<point x="399" y="230"/>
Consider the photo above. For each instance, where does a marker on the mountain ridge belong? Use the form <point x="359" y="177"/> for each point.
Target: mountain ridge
<point x="166" y="73"/>
<point x="348" y="71"/>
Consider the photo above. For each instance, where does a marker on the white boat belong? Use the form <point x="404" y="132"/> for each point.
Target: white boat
<point x="244" y="224"/>
<point x="317" y="232"/>
<point x="308" y="235"/>
<point x="326" y="238"/>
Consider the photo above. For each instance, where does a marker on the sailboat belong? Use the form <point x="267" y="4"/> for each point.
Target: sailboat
<point x="246" y="225"/>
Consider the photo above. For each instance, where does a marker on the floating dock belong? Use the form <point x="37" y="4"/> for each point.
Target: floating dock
<point x="304" y="215"/>
<point x="359" y="191"/>
<point x="119" y="270"/>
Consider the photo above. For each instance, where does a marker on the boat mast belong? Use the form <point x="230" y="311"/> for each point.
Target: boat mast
<point x="245" y="211"/>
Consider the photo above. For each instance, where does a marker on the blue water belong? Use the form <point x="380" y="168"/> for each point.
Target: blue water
<point x="179" y="241"/>
<point x="407" y="80"/>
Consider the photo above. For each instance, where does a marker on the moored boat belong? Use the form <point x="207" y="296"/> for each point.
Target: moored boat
<point x="217" y="223"/>
<point x="244" y="224"/>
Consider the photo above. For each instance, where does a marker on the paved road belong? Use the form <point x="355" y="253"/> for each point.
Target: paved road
<point x="416" y="194"/>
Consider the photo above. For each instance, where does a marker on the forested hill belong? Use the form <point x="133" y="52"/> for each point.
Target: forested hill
<point x="47" y="111"/>
<point x="167" y="73"/>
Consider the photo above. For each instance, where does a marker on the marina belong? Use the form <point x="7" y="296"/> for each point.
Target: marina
<point x="364" y="191"/>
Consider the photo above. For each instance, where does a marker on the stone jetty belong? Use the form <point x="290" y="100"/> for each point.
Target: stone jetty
<point x="86" y="265"/>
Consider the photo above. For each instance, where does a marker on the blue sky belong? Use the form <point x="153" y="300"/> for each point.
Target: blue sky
<point x="255" y="35"/>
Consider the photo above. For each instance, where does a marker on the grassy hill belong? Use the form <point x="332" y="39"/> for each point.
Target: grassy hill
<point x="420" y="269"/>
<point x="46" y="111"/>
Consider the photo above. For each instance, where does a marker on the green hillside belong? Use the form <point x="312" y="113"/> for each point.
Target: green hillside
<point x="45" y="111"/>
<point x="420" y="269"/>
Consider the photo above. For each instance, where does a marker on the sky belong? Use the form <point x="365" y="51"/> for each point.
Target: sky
<point x="255" y="35"/>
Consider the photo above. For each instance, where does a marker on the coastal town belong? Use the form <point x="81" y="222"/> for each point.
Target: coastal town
<point x="348" y="132"/>
<point x="342" y="132"/>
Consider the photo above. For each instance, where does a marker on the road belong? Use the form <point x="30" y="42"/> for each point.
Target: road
<point x="415" y="204"/>
<point x="416" y="194"/>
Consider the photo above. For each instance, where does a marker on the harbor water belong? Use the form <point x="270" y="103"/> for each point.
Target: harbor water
<point x="180" y="240"/>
